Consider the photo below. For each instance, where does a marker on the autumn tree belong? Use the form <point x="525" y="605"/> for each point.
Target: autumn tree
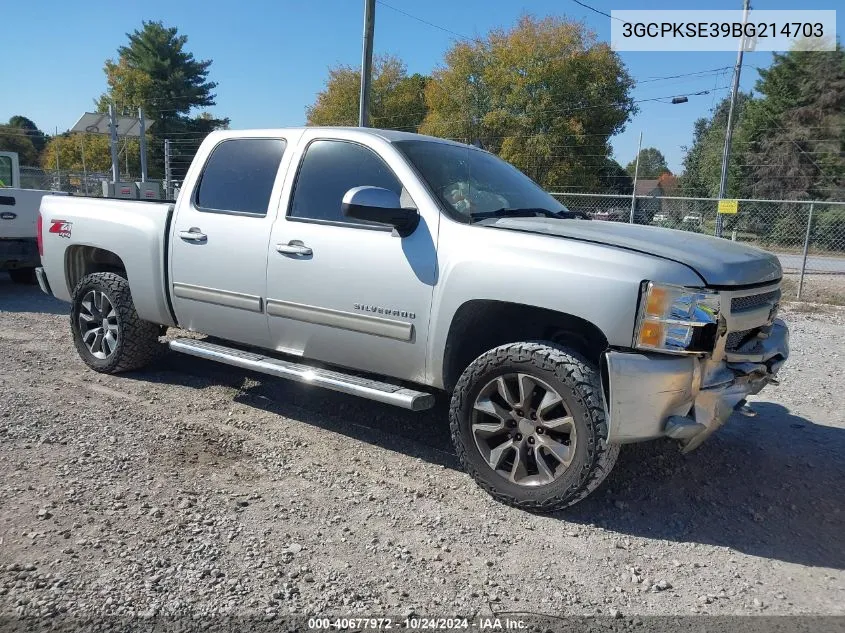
<point x="544" y="95"/>
<point x="91" y="153"/>
<point x="652" y="164"/>
<point x="397" y="101"/>
<point x="156" y="72"/>
<point x="669" y="184"/>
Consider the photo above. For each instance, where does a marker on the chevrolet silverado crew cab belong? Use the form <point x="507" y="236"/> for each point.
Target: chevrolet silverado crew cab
<point x="393" y="266"/>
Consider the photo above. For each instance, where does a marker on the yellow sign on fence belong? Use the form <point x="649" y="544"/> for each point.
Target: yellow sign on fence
<point x="728" y="206"/>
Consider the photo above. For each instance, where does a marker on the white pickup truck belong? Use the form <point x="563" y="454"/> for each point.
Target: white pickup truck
<point x="18" y="216"/>
<point x="392" y="266"/>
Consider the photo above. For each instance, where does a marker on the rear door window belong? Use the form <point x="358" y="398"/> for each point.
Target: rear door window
<point x="239" y="176"/>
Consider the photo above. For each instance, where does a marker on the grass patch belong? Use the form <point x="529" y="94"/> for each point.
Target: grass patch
<point x="825" y="289"/>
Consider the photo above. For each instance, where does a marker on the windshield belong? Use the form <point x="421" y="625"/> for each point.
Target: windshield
<point x="473" y="184"/>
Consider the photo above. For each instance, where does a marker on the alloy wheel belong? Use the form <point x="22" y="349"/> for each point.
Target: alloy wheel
<point x="523" y="429"/>
<point x="98" y="324"/>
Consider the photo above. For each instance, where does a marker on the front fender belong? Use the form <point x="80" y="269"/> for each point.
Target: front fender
<point x="597" y="283"/>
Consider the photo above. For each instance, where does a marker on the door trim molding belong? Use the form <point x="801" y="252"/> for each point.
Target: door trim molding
<point x="238" y="300"/>
<point x="364" y="323"/>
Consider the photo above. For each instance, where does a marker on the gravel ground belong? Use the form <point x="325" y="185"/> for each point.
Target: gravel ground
<point x="195" y="487"/>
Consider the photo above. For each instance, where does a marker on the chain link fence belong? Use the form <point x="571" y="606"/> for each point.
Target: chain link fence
<point x="73" y="182"/>
<point x="807" y="236"/>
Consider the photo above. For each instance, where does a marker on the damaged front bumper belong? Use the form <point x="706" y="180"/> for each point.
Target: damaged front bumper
<point x="649" y="395"/>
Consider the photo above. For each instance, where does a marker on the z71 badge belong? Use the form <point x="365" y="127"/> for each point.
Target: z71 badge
<point x="62" y="228"/>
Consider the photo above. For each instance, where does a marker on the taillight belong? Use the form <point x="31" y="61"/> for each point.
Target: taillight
<point x="38" y="237"/>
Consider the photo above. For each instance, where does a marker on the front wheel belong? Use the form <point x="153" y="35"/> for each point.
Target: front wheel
<point x="107" y="332"/>
<point x="528" y="425"/>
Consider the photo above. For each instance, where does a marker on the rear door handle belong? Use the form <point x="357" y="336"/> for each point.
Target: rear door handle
<point x="294" y="247"/>
<point x="193" y="235"/>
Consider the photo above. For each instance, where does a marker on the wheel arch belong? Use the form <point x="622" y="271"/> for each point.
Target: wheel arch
<point x="480" y="325"/>
<point x="82" y="260"/>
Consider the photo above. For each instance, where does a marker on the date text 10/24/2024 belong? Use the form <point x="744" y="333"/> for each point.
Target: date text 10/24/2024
<point x="418" y="624"/>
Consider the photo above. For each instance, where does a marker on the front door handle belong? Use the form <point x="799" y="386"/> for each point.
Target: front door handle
<point x="193" y="235"/>
<point x="294" y="247"/>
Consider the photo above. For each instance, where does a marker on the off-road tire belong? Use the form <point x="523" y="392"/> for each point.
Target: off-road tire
<point x="578" y="383"/>
<point x="23" y="276"/>
<point x="137" y="342"/>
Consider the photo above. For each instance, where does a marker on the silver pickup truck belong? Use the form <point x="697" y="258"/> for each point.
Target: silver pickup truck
<point x="393" y="266"/>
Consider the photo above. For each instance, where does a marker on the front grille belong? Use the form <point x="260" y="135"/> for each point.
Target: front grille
<point x="735" y="339"/>
<point x="738" y="304"/>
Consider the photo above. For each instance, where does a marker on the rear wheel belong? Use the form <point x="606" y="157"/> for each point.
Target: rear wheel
<point x="528" y="425"/>
<point x="23" y="275"/>
<point x="108" y="334"/>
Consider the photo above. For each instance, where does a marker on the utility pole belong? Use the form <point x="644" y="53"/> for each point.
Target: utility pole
<point x="367" y="62"/>
<point x="143" y="141"/>
<point x="82" y="153"/>
<point x="636" y="173"/>
<point x="726" y="154"/>
<point x="167" y="168"/>
<point x="115" y="168"/>
<point x="58" y="171"/>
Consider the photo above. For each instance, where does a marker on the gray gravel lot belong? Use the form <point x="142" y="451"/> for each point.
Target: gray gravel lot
<point x="196" y="487"/>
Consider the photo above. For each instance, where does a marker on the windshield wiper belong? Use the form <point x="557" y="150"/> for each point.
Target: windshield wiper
<point x="527" y="212"/>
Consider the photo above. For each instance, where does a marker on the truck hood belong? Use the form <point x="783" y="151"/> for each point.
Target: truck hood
<point x="719" y="262"/>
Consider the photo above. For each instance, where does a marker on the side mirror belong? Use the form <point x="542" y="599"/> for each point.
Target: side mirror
<point x="375" y="204"/>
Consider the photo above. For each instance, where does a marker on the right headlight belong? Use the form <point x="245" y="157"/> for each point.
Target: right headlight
<point x="676" y="319"/>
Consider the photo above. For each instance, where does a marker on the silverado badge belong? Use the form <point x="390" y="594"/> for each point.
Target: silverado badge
<point x="363" y="307"/>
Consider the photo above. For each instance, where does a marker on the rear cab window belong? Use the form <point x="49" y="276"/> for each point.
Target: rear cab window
<point x="5" y="171"/>
<point x="239" y="175"/>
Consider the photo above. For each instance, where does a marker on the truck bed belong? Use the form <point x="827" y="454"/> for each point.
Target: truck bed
<point x="78" y="230"/>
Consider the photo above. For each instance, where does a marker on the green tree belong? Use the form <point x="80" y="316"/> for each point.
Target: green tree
<point x="544" y="95"/>
<point x="397" y="101"/>
<point x="703" y="159"/>
<point x="652" y="164"/>
<point x="38" y="138"/>
<point x="794" y="135"/>
<point x="13" y="139"/>
<point x="614" y="179"/>
<point x="154" y="71"/>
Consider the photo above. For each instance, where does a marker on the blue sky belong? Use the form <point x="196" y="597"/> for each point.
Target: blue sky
<point x="271" y="56"/>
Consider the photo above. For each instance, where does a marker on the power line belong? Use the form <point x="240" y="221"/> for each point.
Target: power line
<point x="426" y="22"/>
<point x="576" y="109"/>
<point x="699" y="72"/>
<point x="594" y="10"/>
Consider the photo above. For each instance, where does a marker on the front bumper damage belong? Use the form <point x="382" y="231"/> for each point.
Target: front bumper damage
<point x="687" y="398"/>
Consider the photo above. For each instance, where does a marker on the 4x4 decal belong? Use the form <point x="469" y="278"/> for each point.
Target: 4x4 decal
<point x="62" y="228"/>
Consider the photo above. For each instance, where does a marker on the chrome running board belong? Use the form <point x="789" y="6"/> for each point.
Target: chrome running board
<point x="334" y="380"/>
